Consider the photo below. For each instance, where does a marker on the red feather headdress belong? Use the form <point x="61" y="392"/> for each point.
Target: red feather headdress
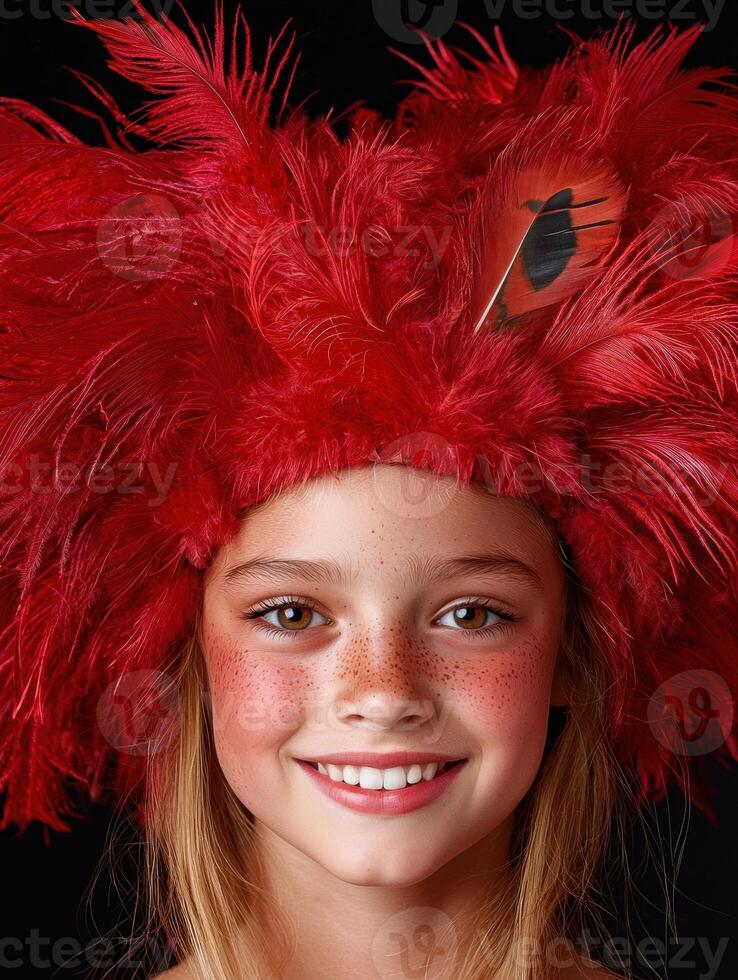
<point x="527" y="277"/>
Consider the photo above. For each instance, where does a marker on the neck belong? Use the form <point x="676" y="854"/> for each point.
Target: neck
<point x="339" y="929"/>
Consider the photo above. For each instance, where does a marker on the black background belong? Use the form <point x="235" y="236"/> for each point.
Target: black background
<point x="345" y="59"/>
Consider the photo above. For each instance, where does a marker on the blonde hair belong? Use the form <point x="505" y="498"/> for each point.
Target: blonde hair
<point x="202" y="881"/>
<point x="201" y="871"/>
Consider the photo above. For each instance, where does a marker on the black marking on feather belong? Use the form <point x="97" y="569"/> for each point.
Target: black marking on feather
<point x="592" y="224"/>
<point x="542" y="263"/>
<point x="572" y="207"/>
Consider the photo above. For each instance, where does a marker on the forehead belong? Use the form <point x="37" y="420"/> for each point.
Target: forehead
<point x="392" y="512"/>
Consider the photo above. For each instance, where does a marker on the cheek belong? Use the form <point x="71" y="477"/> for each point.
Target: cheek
<point x="257" y="702"/>
<point x="503" y="697"/>
<point x="502" y="700"/>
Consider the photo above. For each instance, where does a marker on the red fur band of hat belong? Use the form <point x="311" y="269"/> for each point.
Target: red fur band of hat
<point x="526" y="279"/>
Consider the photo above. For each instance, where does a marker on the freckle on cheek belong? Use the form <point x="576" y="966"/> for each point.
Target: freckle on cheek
<point x="490" y="686"/>
<point x="256" y="697"/>
<point x="497" y="685"/>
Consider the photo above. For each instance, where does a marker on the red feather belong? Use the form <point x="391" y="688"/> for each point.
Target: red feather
<point x="544" y="223"/>
<point x="318" y="306"/>
<point x="206" y="100"/>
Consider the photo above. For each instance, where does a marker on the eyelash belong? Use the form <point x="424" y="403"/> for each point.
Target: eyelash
<point x="507" y="618"/>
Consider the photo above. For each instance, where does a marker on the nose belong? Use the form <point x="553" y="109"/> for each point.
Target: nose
<point x="384" y="684"/>
<point x="379" y="711"/>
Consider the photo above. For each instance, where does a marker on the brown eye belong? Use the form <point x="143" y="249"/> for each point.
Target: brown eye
<point x="475" y="617"/>
<point x="470" y="617"/>
<point x="294" y="617"/>
<point x="287" y="617"/>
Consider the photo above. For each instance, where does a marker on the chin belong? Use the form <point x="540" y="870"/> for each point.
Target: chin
<point x="384" y="869"/>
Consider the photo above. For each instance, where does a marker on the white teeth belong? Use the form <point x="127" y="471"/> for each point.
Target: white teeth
<point x="414" y="774"/>
<point x="395" y="778"/>
<point x="351" y="775"/>
<point x="335" y="772"/>
<point x="369" y="778"/>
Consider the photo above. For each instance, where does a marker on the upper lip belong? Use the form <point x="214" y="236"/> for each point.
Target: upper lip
<point x="381" y="760"/>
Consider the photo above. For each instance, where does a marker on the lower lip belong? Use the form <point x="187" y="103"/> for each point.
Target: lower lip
<point x="389" y="802"/>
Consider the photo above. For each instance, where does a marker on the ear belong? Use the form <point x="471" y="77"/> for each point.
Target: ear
<point x="540" y="231"/>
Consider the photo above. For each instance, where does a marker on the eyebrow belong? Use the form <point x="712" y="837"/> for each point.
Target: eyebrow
<point x="500" y="563"/>
<point x="311" y="570"/>
<point x="428" y="570"/>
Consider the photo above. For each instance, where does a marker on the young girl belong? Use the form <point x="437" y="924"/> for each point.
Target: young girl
<point x="369" y="506"/>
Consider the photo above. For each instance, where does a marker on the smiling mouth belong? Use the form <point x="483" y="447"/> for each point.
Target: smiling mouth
<point x="398" y="777"/>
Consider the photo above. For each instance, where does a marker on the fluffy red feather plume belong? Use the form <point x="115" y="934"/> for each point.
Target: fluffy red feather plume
<point x="206" y="99"/>
<point x="239" y="307"/>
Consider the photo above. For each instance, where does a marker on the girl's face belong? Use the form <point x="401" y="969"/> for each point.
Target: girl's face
<point x="342" y="620"/>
